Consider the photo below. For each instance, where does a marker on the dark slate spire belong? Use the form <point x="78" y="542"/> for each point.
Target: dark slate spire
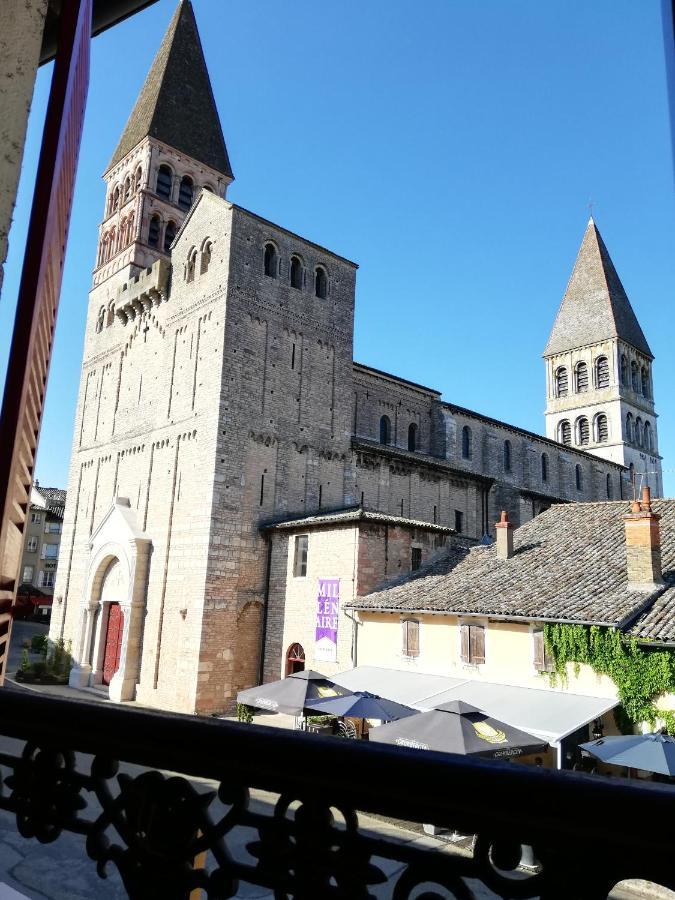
<point x="176" y="103"/>
<point x="595" y="306"/>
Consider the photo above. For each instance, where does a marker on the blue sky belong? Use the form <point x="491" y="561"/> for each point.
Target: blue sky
<point x="449" y="147"/>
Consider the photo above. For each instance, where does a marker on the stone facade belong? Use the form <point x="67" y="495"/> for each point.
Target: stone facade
<point x="219" y="394"/>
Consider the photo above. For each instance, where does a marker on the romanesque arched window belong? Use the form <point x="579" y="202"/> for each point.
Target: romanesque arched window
<point x="467" y="443"/>
<point x="185" y="192"/>
<point x="205" y="260"/>
<point x="100" y="319"/>
<point x="507" y="456"/>
<point x="561" y="384"/>
<point x="609" y="486"/>
<point x="631" y="475"/>
<point x="164" y="179"/>
<point x="624" y="369"/>
<point x="412" y="437"/>
<point x="137" y="179"/>
<point x="131" y="233"/>
<point x="565" y="432"/>
<point x="111" y="314"/>
<point x="644" y="378"/>
<point x="127" y="188"/>
<point x="602" y="372"/>
<point x="601" y="429"/>
<point x="112" y="237"/>
<point x="101" y="250"/>
<point x="296" y="272"/>
<point x="153" y="231"/>
<point x="191" y="265"/>
<point x="320" y="283"/>
<point x="544" y="467"/>
<point x="638" y="431"/>
<point x="649" y="437"/>
<point x="116" y="198"/>
<point x="629" y="428"/>
<point x="111" y="202"/>
<point x="385" y="430"/>
<point x="169" y="235"/>
<point x="271" y="261"/>
<point x="581" y="378"/>
<point x="634" y="377"/>
<point x="579" y="477"/>
<point x="122" y="240"/>
<point x="582" y="431"/>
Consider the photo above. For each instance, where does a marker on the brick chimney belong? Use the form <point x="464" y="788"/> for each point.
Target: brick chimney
<point x="643" y="545"/>
<point x="504" y="530"/>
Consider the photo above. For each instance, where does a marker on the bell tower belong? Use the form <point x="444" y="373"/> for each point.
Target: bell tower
<point x="599" y="388"/>
<point x="172" y="147"/>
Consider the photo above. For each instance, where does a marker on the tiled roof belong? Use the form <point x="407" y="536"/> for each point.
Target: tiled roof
<point x="353" y="514"/>
<point x="53" y="495"/>
<point x="658" y="622"/>
<point x="176" y="104"/>
<point x="595" y="306"/>
<point x="569" y="564"/>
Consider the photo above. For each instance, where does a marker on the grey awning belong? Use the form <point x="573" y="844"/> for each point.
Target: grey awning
<point x="548" y="713"/>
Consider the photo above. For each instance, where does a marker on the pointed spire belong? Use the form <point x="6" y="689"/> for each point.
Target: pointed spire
<point x="176" y="103"/>
<point x="595" y="306"/>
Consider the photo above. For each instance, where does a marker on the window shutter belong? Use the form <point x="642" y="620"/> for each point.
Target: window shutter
<point x="411" y="637"/>
<point x="538" y="645"/>
<point x="465" y="648"/>
<point x="477" y="644"/>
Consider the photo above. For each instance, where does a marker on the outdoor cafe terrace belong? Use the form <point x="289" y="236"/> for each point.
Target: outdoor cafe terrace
<point x="131" y="783"/>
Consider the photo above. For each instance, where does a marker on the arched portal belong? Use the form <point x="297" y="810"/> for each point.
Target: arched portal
<point x="295" y="659"/>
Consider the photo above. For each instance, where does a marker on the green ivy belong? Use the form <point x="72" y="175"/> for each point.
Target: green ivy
<point x="245" y="713"/>
<point x="641" y="676"/>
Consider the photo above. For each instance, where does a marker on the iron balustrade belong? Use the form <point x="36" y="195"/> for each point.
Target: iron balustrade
<point x="73" y="766"/>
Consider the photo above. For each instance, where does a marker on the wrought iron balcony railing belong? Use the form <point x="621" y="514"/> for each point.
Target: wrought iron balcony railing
<point x="74" y="767"/>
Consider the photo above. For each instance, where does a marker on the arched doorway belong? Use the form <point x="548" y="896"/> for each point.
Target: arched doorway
<point x="113" y="642"/>
<point x="295" y="659"/>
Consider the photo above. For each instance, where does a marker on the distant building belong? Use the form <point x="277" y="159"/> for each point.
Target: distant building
<point x="42" y="541"/>
<point x="219" y="395"/>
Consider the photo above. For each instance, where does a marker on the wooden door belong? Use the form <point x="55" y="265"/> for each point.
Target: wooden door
<point x="113" y="642"/>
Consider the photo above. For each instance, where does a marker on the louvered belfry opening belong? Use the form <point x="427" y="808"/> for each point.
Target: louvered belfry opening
<point x="561" y="382"/>
<point x="582" y="431"/>
<point x="565" y="433"/>
<point x="602" y="429"/>
<point x="602" y="372"/>
<point x="582" y="378"/>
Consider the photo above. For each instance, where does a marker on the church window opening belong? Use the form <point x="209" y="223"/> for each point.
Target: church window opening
<point x="137" y="179"/>
<point x="321" y="283"/>
<point x="100" y="319"/>
<point x="638" y="431"/>
<point x="561" y="385"/>
<point x="648" y="442"/>
<point x="296" y="273"/>
<point x="565" y="433"/>
<point x="459" y="521"/>
<point x="295" y="659"/>
<point x="185" y="192"/>
<point x="507" y="456"/>
<point x="582" y="431"/>
<point x="544" y="467"/>
<point x="164" y="180"/>
<point x="467" y="443"/>
<point x="385" y="430"/>
<point x="262" y="489"/>
<point x="435" y="514"/>
<point x="127" y="188"/>
<point x="581" y="376"/>
<point x="602" y="372"/>
<point x="293" y="356"/>
<point x="123" y="234"/>
<point x="191" y="264"/>
<point x="415" y="558"/>
<point x="601" y="429"/>
<point x="169" y="235"/>
<point x="320" y="496"/>
<point x="207" y="187"/>
<point x="624" y="369"/>
<point x="579" y="478"/>
<point x="644" y="378"/>
<point x="609" y="487"/>
<point x="412" y="437"/>
<point x="634" y="377"/>
<point x="271" y="261"/>
<point x="111" y="243"/>
<point x="116" y="198"/>
<point x="206" y="258"/>
<point x="111" y="315"/>
<point x="300" y="555"/>
<point x="130" y="229"/>
<point x="629" y="428"/>
<point x="153" y="231"/>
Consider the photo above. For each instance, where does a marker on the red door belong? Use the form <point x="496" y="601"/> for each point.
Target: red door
<point x="113" y="642"/>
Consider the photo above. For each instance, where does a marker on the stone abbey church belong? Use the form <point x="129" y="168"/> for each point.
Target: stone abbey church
<point x="220" y="411"/>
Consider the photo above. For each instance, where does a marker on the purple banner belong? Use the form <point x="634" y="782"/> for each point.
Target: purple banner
<point x="327" y="605"/>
